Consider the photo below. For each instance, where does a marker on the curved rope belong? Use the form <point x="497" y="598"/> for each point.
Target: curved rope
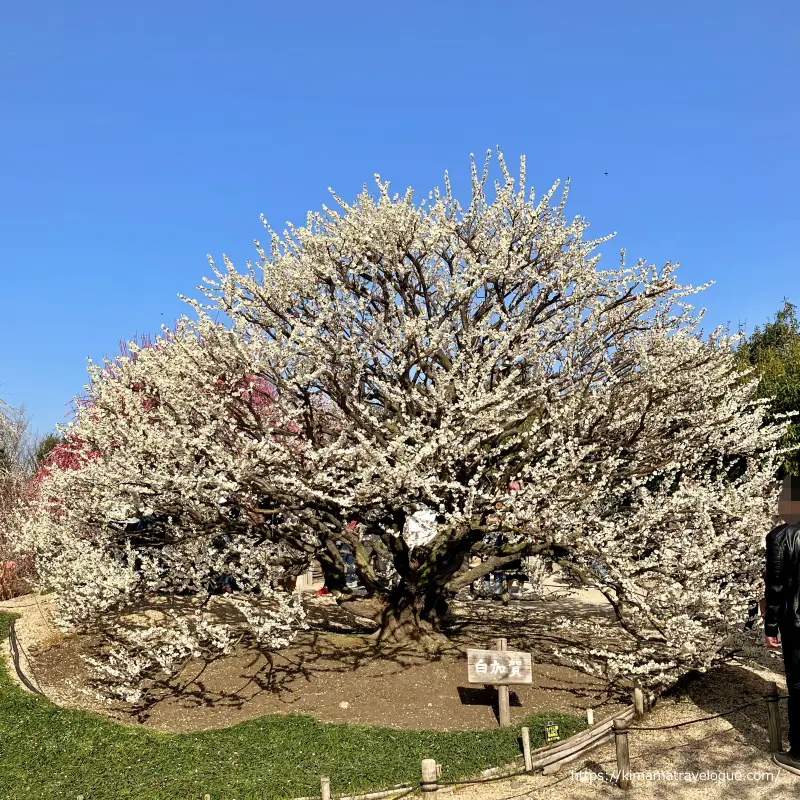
<point x="705" y="719"/>
<point x="15" y="653"/>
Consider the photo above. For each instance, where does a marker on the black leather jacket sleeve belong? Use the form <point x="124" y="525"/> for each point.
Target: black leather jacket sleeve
<point x="774" y="580"/>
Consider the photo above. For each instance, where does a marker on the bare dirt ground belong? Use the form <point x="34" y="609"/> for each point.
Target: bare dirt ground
<point x="333" y="677"/>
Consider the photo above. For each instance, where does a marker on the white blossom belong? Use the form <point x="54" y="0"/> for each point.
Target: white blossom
<point x="387" y="357"/>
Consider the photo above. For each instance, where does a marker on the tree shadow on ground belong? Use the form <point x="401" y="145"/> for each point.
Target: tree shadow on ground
<point x="284" y="673"/>
<point x="319" y="658"/>
<point x="254" y="681"/>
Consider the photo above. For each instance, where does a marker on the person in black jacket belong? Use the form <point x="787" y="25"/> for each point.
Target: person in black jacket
<point x="782" y="616"/>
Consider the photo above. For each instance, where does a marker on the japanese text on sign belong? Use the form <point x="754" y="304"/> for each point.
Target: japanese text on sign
<point x="499" y="666"/>
<point x="551" y="733"/>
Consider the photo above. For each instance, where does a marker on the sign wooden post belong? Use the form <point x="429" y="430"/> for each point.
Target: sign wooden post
<point x="504" y="711"/>
<point x="501" y="667"/>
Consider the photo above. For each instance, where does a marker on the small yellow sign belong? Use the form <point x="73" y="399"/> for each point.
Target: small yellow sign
<point x="551" y="733"/>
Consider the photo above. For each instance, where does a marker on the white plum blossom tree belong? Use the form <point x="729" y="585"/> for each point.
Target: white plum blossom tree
<point x="387" y="359"/>
<point x="160" y="439"/>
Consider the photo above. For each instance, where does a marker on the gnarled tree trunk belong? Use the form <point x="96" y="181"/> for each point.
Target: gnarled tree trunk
<point x="409" y="616"/>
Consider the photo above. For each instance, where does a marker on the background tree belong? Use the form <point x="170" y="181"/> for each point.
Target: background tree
<point x="774" y="352"/>
<point x="389" y="358"/>
<point x="16" y="464"/>
<point x="46" y="446"/>
<point x="16" y="448"/>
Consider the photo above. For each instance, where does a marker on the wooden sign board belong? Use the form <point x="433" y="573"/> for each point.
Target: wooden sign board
<point x="501" y="667"/>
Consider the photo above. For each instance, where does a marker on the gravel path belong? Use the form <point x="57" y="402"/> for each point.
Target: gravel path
<point x="722" y="758"/>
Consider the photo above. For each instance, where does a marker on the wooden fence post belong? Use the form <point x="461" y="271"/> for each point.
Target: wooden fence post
<point x="325" y="788"/>
<point x="638" y="702"/>
<point x="623" y="756"/>
<point x="504" y="712"/>
<point x="589" y="717"/>
<point x="429" y="783"/>
<point x="526" y="749"/>
<point x="774" y="718"/>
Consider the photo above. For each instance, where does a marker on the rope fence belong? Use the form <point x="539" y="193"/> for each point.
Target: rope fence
<point x="621" y="730"/>
<point x="705" y="719"/>
<point x="551" y="758"/>
<point x="16" y="649"/>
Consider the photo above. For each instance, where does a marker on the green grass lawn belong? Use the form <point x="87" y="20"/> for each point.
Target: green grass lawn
<point x="51" y="752"/>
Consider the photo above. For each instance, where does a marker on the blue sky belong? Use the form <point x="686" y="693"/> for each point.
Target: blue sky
<point x="137" y="137"/>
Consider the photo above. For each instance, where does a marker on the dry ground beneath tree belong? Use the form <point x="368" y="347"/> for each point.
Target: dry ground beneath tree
<point x="333" y="677"/>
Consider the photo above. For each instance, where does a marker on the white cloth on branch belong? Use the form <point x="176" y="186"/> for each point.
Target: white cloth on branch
<point x="420" y="528"/>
